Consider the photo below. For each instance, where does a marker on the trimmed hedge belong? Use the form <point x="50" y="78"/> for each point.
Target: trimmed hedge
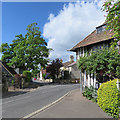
<point x="28" y="75"/>
<point x="108" y="98"/>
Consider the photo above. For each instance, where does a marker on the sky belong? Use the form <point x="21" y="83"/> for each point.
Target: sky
<point x="62" y="24"/>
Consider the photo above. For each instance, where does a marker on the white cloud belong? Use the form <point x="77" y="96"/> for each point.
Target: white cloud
<point x="51" y="16"/>
<point x="100" y="3"/>
<point x="73" y="23"/>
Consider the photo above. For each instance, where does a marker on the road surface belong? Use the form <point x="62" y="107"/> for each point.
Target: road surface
<point x="22" y="105"/>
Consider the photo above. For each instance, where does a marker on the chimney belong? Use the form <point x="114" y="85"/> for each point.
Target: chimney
<point x="71" y="58"/>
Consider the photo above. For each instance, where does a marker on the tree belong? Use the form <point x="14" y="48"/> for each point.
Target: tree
<point x="28" y="51"/>
<point x="17" y="53"/>
<point x="5" y="48"/>
<point x="113" y="18"/>
<point x="54" y="68"/>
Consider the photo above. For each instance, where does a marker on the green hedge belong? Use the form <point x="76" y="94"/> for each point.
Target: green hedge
<point x="28" y="75"/>
<point x="108" y="98"/>
<point x="90" y="93"/>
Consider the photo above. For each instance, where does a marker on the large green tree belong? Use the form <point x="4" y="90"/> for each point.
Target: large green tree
<point x="112" y="7"/>
<point x="7" y="55"/>
<point x="28" y="51"/>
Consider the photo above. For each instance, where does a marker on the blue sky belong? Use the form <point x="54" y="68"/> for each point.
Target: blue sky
<point x="17" y="15"/>
<point x="63" y="25"/>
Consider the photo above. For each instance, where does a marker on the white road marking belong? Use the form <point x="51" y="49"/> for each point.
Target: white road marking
<point x="45" y="107"/>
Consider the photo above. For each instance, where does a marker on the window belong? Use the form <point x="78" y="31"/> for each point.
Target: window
<point x="101" y="29"/>
<point x="81" y="51"/>
<point x="77" y="55"/>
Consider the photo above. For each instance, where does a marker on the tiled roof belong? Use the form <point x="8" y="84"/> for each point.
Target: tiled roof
<point x="7" y="68"/>
<point x="93" y="38"/>
<point x="72" y="64"/>
<point x="67" y="63"/>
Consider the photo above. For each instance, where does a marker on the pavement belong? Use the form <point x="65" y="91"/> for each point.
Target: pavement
<point x="74" y="105"/>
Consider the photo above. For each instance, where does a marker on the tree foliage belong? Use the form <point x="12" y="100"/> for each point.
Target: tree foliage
<point x="105" y="62"/>
<point x="28" y="76"/>
<point x="113" y="18"/>
<point x="54" y="68"/>
<point x="28" y="51"/>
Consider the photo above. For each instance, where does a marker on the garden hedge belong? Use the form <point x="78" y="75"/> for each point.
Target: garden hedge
<point x="108" y="98"/>
<point x="28" y="75"/>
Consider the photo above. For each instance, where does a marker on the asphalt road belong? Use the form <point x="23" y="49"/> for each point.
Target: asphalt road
<point x="22" y="105"/>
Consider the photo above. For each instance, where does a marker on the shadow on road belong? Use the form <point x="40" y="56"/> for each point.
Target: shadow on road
<point x="12" y="93"/>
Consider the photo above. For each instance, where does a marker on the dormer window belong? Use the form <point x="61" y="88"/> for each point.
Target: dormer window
<point x="100" y="28"/>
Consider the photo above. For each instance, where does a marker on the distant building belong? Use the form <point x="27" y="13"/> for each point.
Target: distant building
<point x="65" y="65"/>
<point x="70" y="70"/>
<point x="74" y="71"/>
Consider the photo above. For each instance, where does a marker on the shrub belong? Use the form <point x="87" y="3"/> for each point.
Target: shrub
<point x="102" y="60"/>
<point x="87" y="93"/>
<point x="28" y="75"/>
<point x="90" y="93"/>
<point x="66" y="75"/>
<point x="43" y="75"/>
<point x="108" y="98"/>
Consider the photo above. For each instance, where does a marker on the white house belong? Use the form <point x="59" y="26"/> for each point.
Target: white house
<point x="96" y="40"/>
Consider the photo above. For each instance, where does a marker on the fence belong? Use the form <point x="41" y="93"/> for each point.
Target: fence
<point x="118" y="86"/>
